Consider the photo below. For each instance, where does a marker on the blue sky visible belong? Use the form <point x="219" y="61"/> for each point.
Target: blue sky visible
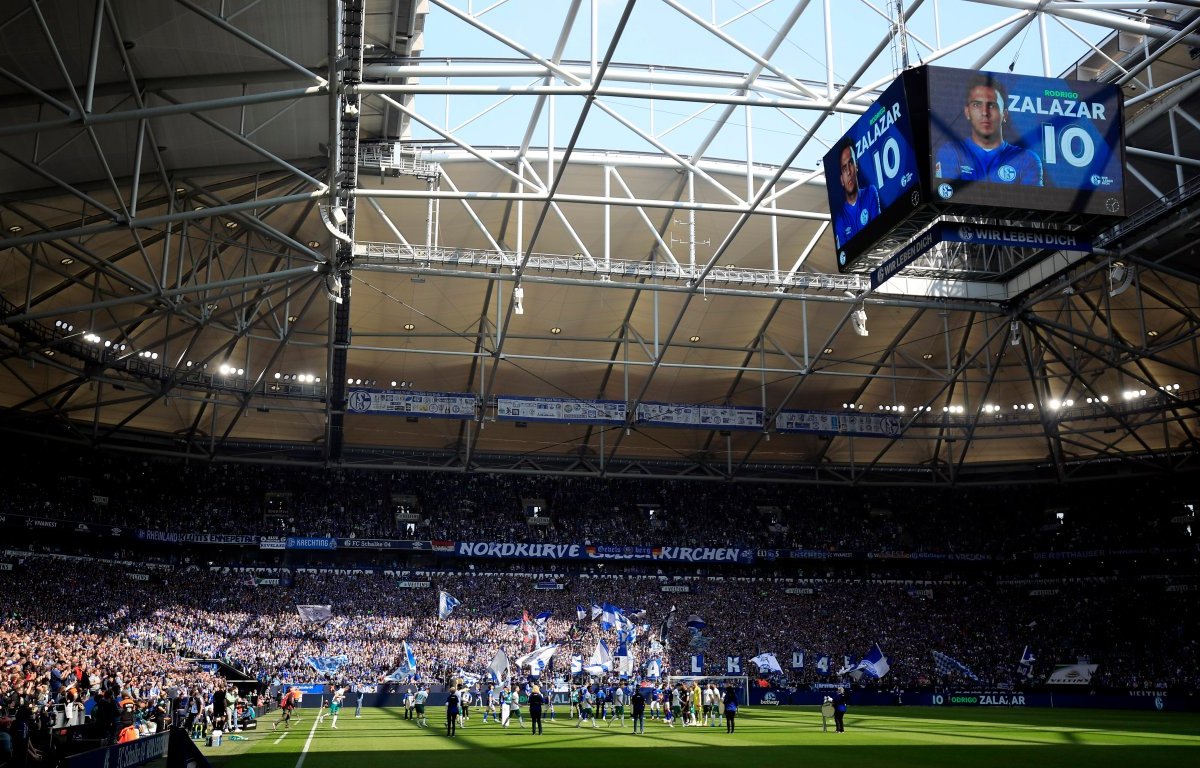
<point x="662" y="36"/>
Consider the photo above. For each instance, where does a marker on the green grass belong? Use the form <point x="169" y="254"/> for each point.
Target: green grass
<point x="766" y="737"/>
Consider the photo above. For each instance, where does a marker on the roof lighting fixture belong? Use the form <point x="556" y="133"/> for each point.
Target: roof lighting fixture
<point x="827" y="351"/>
<point x="314" y="243"/>
<point x="927" y="356"/>
<point x="393" y="383"/>
<point x="693" y="339"/>
<point x="231" y="225"/>
<point x="1151" y="334"/>
<point x="66" y="261"/>
<point x="15" y="228"/>
<point x="409" y="326"/>
<point x="556" y="330"/>
<point x="292" y="318"/>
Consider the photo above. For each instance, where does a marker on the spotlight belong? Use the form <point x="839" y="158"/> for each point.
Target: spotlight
<point x="240" y="371"/>
<point x="393" y="383"/>
<point x="858" y="319"/>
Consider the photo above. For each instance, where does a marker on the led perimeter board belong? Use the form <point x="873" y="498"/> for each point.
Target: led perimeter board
<point x="873" y="173"/>
<point x="1026" y="143"/>
<point x="970" y="143"/>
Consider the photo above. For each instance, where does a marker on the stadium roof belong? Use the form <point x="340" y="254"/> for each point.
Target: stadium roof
<point x="172" y="176"/>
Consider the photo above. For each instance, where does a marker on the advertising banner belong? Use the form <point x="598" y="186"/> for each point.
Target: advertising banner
<point x="441" y="405"/>
<point x="838" y="423"/>
<point x="704" y="416"/>
<point x="562" y="410"/>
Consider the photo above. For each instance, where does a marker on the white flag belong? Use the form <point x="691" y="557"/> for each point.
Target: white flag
<point x="313" y="614"/>
<point x="498" y="669"/>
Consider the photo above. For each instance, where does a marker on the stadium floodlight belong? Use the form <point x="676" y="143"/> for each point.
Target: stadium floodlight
<point x="1120" y="278"/>
<point x="858" y="319"/>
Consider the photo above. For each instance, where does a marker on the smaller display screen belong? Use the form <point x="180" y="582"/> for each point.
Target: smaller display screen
<point x="871" y="174"/>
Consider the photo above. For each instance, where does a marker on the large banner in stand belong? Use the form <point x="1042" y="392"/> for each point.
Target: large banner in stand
<point x="560" y="410"/>
<point x="838" y="423"/>
<point x="703" y="416"/>
<point x="436" y="405"/>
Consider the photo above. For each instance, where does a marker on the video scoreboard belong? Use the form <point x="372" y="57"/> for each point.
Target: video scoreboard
<point x="975" y="143"/>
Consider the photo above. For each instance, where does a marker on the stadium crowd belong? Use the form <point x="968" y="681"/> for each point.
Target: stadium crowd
<point x="222" y="498"/>
<point x="136" y="631"/>
<point x="98" y="619"/>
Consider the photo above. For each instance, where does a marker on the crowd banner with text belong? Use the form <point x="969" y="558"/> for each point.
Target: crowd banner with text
<point x="837" y="423"/>
<point x="703" y="416"/>
<point x="434" y="405"/>
<point x="560" y="409"/>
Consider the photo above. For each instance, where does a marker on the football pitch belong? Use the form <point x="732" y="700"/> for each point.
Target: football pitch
<point x="766" y="737"/>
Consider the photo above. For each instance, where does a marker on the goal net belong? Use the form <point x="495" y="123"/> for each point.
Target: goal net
<point x="740" y="683"/>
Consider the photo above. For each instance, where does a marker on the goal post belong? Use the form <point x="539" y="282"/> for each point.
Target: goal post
<point x="740" y="683"/>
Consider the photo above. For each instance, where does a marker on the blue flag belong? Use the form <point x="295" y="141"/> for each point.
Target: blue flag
<point x="446" y="604"/>
<point x="610" y="616"/>
<point x="580" y="612"/>
<point x="1025" y="665"/>
<point x="947" y="665"/>
<point x="695" y="623"/>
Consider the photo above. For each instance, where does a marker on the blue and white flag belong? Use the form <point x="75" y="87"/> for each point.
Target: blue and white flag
<point x="874" y="665"/>
<point x="498" y="668"/>
<point x="601" y="660"/>
<point x="824" y="664"/>
<point x="537" y="660"/>
<point x="767" y="662"/>
<point x="314" y="614"/>
<point x="947" y="665"/>
<point x="697" y="666"/>
<point x="326" y="665"/>
<point x="515" y="623"/>
<point x="540" y="619"/>
<point x="577" y="664"/>
<point x="1025" y="665"/>
<point x="626" y="665"/>
<point x="654" y="669"/>
<point x="446" y="604"/>
<point x="580" y="612"/>
<point x="797" y="659"/>
<point x="695" y="623"/>
<point x="610" y="616"/>
<point x="408" y="666"/>
<point x="597" y="609"/>
<point x="733" y="665"/>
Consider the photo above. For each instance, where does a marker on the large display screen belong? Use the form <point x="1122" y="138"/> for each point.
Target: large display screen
<point x="1026" y="143"/>
<point x="872" y="174"/>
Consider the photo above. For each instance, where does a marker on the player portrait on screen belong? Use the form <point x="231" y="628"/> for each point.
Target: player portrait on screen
<point x="984" y="155"/>
<point x="860" y="204"/>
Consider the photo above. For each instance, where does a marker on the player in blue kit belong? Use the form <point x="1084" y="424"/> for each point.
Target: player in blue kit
<point x="985" y="155"/>
<point x="860" y="205"/>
